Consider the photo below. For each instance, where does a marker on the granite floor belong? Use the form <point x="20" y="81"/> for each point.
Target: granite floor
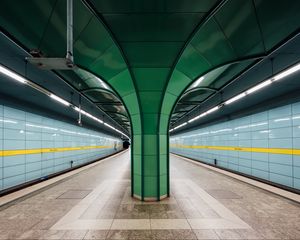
<point x="96" y="204"/>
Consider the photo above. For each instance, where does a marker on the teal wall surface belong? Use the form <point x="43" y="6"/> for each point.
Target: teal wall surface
<point x="55" y="143"/>
<point x="264" y="145"/>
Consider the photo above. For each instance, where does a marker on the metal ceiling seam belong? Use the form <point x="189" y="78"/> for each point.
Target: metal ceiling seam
<point x="83" y="29"/>
<point x="290" y="38"/>
<point x="90" y="6"/>
<point x="201" y="54"/>
<point x="47" y="24"/>
<point x="225" y="36"/>
<point x="259" y="26"/>
<point x="101" y="54"/>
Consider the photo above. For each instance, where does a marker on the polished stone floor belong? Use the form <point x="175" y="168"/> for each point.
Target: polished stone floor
<point x="96" y="204"/>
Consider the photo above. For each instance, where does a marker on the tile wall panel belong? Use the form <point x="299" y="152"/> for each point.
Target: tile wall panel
<point x="20" y="130"/>
<point x="278" y="128"/>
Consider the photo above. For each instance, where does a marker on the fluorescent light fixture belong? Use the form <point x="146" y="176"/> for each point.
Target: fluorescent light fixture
<point x="193" y="119"/>
<point x="106" y="124"/>
<point x="259" y="86"/>
<point x="198" y="81"/>
<point x="88" y="114"/>
<point x="58" y="99"/>
<point x="12" y="74"/>
<point x="205" y="113"/>
<point x="181" y="125"/>
<point x="212" y="109"/>
<point x="234" y="99"/>
<point x="287" y="72"/>
<point x="171" y="130"/>
<point x="23" y="80"/>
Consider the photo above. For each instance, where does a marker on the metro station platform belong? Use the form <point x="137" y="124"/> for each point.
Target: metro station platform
<point x="96" y="203"/>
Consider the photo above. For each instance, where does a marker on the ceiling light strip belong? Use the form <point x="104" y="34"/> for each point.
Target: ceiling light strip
<point x="13" y="75"/>
<point x="257" y="87"/>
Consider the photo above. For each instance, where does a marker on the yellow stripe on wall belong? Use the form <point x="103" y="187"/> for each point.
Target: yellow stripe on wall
<point x="290" y="151"/>
<point x="5" y="153"/>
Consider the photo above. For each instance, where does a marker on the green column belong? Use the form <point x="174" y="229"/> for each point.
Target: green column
<point x="150" y="161"/>
<point x="150" y="142"/>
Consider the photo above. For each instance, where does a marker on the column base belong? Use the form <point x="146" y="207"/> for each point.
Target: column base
<point x="150" y="199"/>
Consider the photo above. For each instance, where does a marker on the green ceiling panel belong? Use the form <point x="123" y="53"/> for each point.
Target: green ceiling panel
<point x="123" y="83"/>
<point x="53" y="43"/>
<point x="277" y="20"/>
<point x="109" y="64"/>
<point x="151" y="54"/>
<point x="168" y="103"/>
<point x="150" y="101"/>
<point x="132" y="103"/>
<point x="191" y="63"/>
<point x="128" y="6"/>
<point x="87" y="48"/>
<point x="155" y="27"/>
<point x="212" y="44"/>
<point x="151" y="79"/>
<point x="180" y="81"/>
<point x="238" y="20"/>
<point x="82" y="17"/>
<point x="12" y="17"/>
<point x="189" y="5"/>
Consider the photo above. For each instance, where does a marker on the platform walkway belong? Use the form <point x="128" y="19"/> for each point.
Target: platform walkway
<point x="96" y="204"/>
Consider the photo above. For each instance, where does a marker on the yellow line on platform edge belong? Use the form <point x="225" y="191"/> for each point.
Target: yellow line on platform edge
<point x="290" y="151"/>
<point x="5" y="153"/>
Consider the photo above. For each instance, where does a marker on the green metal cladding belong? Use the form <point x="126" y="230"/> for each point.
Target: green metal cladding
<point x="149" y="52"/>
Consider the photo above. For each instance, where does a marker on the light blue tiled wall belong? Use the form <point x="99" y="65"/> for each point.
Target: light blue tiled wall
<point x="24" y="130"/>
<point x="276" y="128"/>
